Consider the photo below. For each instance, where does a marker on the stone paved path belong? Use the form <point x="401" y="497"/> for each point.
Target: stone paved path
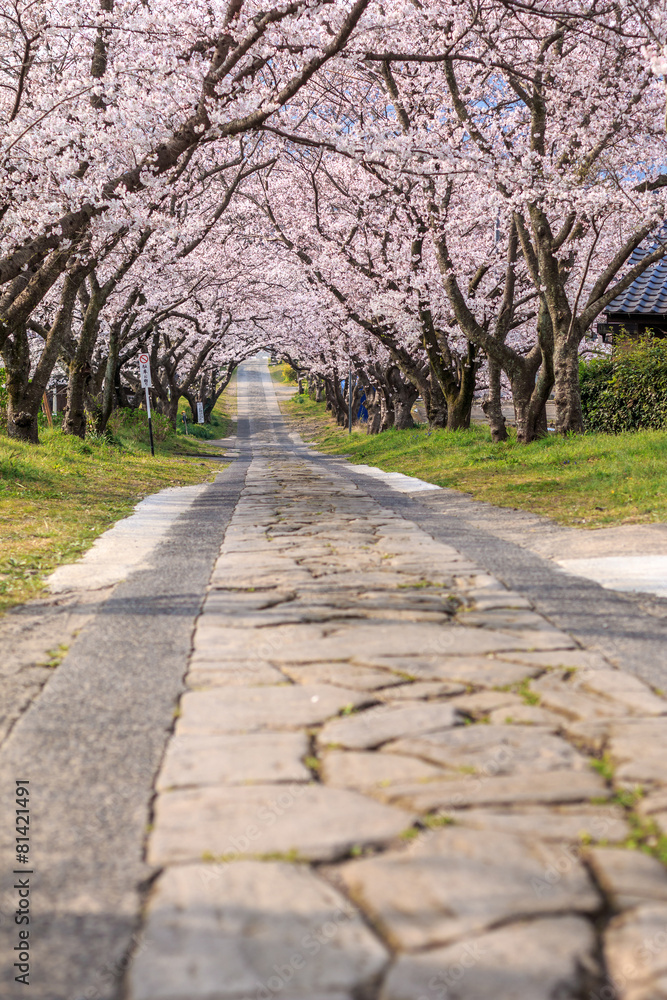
<point x="390" y="778"/>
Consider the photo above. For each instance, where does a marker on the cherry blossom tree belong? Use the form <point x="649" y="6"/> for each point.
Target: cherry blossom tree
<point x="100" y="106"/>
<point x="423" y="191"/>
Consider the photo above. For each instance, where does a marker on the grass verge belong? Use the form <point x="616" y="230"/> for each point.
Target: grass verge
<point x="58" y="496"/>
<point x="283" y="373"/>
<point x="590" y="480"/>
<point x="223" y="418"/>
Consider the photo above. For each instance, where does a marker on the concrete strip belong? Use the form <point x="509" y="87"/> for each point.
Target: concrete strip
<point x="91" y="745"/>
<point x="646" y="574"/>
<point x="397" y="480"/>
<point x="128" y="545"/>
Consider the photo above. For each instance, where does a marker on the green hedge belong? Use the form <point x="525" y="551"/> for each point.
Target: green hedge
<point x="628" y="391"/>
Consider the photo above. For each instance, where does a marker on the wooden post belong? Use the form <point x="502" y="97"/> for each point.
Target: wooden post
<point x="47" y="409"/>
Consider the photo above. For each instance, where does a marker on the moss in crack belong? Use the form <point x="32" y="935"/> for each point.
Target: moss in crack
<point x="55" y="656"/>
<point x="646" y="836"/>
<point x="435" y="821"/>
<point x="529" y="697"/>
<point x="604" y="766"/>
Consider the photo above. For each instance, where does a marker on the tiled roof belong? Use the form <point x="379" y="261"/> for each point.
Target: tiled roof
<point x="647" y="295"/>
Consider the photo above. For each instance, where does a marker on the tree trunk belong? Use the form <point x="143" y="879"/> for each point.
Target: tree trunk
<point x="80" y="372"/>
<point x="109" y="380"/>
<point x="386" y="411"/>
<point x="530" y="408"/>
<point x="22" y="409"/>
<point x="403" y="395"/>
<point x="25" y="393"/>
<point x="404" y="400"/>
<point x="522" y="390"/>
<point x="374" y="414"/>
<point x="435" y="404"/>
<point x="458" y="413"/>
<point x="122" y="395"/>
<point x="459" y="403"/>
<point x="537" y="408"/>
<point x="569" y="416"/>
<point x="74" y="420"/>
<point x="493" y="405"/>
<point x="336" y="401"/>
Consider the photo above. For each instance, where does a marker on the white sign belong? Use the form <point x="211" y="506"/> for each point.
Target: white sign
<point x="200" y="412"/>
<point x="145" y="371"/>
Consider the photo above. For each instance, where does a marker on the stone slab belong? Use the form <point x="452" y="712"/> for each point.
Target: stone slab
<point x="483" y="601"/>
<point x="539" y="960"/>
<point x="310" y="822"/>
<point x="639" y="753"/>
<point x="374" y="726"/>
<point x="602" y="734"/>
<point x="252" y="929"/>
<point x="563" y="824"/>
<point x="566" y="659"/>
<point x="525" y="715"/>
<point x="481" y="703"/>
<point x="227" y="602"/>
<point x="505" y="618"/>
<point x="654" y="807"/>
<point x="206" y="674"/>
<point x="252" y="709"/>
<point x="480" y="671"/>
<point x="624" y="689"/>
<point x="551" y="787"/>
<point x="461" y="881"/>
<point x="628" y="877"/>
<point x="365" y="772"/>
<point x="635" y="947"/>
<point x="421" y="691"/>
<point x="402" y="640"/>
<point x="194" y="760"/>
<point x="493" y="750"/>
<point x="342" y="674"/>
<point x="570" y="701"/>
<point x="215" y="636"/>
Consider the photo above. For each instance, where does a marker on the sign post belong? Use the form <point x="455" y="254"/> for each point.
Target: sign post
<point x="146" y="383"/>
<point x="200" y="412"/>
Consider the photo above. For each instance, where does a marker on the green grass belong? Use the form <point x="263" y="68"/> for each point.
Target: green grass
<point x="58" y="496"/>
<point x="283" y="373"/>
<point x="223" y="418"/>
<point x="219" y="427"/>
<point x="593" y="480"/>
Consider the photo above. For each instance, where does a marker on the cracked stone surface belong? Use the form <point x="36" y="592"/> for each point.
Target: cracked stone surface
<point x="196" y="760"/>
<point x="636" y="953"/>
<point x="247" y="928"/>
<point x="568" y="824"/>
<point x="249" y="709"/>
<point x="526" y="961"/>
<point x="628" y="878"/>
<point x="304" y="821"/>
<point x="387" y="722"/>
<point x="493" y="750"/>
<point x="459" y="882"/>
<point x="390" y="777"/>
